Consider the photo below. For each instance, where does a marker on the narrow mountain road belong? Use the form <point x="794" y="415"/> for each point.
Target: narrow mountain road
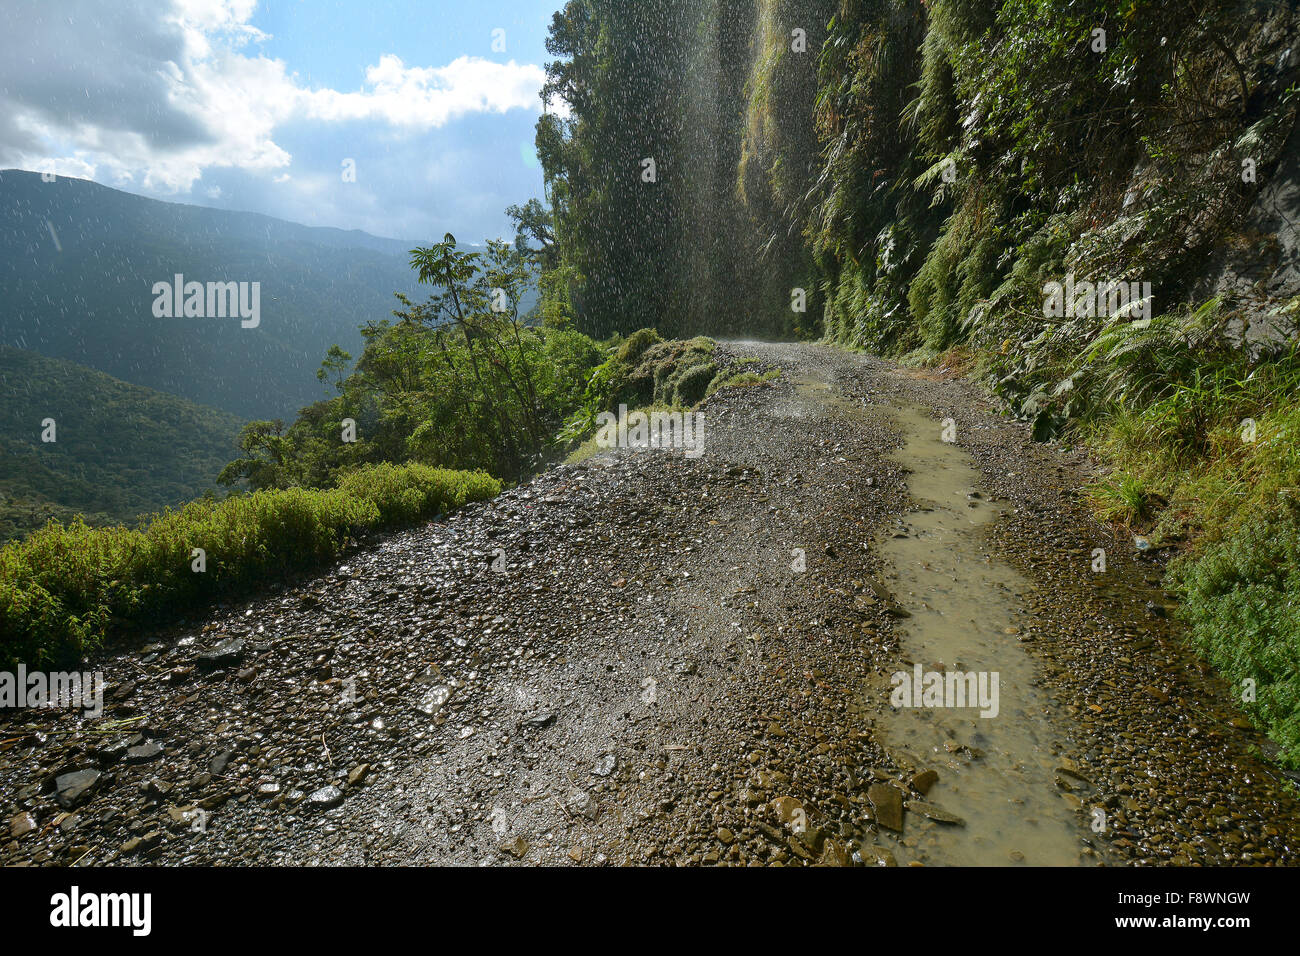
<point x="655" y="659"/>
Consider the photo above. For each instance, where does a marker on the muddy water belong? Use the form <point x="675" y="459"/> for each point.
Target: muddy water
<point x="996" y="771"/>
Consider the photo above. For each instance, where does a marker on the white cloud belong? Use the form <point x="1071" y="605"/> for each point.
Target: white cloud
<point x="430" y="96"/>
<point x="154" y="101"/>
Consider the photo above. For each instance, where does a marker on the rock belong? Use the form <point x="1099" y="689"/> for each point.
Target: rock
<point x="215" y="801"/>
<point x="517" y="847"/>
<point x="541" y="720"/>
<point x="937" y="814"/>
<point x="114" y="751"/>
<point x="811" y="837"/>
<point x="887" y="801"/>
<point x="131" y="846"/>
<point x="873" y="855"/>
<point x="433" y="699"/>
<point x="726" y="837"/>
<point x="923" y="781"/>
<point x="218" y="763"/>
<point x="326" y="797"/>
<point x="225" y="652"/>
<point x="788" y="810"/>
<point x="835" y="853"/>
<point x="798" y="848"/>
<point x="21" y="824"/>
<point x="180" y="815"/>
<point x="605" y="765"/>
<point x="72" y="788"/>
<point x="580" y="803"/>
<point x="147" y="751"/>
<point x="358" y="774"/>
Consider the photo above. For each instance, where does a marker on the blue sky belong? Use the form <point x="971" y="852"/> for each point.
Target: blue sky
<point x="406" y="119"/>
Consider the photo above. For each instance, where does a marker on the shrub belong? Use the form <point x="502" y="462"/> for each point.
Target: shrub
<point x="67" y="589"/>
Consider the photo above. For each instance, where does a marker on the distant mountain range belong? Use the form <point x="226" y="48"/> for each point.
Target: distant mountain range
<point x="79" y="263"/>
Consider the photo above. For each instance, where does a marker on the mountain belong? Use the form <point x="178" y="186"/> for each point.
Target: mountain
<point x="78" y="264"/>
<point x="119" y="450"/>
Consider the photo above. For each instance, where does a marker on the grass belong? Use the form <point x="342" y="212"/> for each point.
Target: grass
<point x="742" y="380"/>
<point x="1212" y="462"/>
<point x="68" y="589"/>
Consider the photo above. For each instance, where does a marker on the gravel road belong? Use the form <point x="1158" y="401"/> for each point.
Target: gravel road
<point x="650" y="658"/>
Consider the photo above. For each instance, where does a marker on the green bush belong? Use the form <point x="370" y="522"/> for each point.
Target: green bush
<point x="1241" y="596"/>
<point x="67" y="589"/>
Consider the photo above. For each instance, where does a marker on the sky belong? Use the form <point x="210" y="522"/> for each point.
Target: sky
<point x="403" y="118"/>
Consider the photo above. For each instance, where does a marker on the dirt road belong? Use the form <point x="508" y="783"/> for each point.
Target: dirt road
<point x="653" y="658"/>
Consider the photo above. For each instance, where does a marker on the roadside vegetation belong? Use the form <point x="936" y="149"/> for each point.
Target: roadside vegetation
<point x="67" y="589"/>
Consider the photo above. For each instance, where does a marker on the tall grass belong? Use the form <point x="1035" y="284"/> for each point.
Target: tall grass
<point x="1205" y="440"/>
<point x="67" y="589"/>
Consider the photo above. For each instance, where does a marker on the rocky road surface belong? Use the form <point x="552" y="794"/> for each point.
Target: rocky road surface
<point x="649" y="658"/>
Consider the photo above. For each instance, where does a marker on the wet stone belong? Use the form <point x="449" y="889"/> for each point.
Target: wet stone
<point x="326" y="797"/>
<point x="226" y="652"/>
<point x="21" y="824"/>
<point x="72" y="788"/>
<point x="146" y="752"/>
<point x="937" y="814"/>
<point x="433" y="699"/>
<point x="887" y="801"/>
<point x="923" y="781"/>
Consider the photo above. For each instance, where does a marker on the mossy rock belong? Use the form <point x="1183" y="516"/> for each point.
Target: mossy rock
<point x="635" y="345"/>
<point x="692" y="383"/>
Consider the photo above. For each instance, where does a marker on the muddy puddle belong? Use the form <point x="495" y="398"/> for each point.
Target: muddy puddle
<point x="968" y="706"/>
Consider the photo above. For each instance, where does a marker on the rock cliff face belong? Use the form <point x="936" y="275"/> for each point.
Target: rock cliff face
<point x="1261" y="271"/>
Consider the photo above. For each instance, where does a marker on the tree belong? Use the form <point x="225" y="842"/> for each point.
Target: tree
<point x="335" y="364"/>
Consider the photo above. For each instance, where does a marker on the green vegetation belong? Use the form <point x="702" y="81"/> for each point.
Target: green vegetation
<point x="119" y="450"/>
<point x="646" y="372"/>
<point x="67" y="589"/>
<point x="1205" y="442"/>
<point x="457" y="381"/>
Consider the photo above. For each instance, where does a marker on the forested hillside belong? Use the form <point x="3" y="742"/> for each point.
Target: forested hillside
<point x="918" y="169"/>
<point x="78" y="262"/>
<point x="115" y="450"/>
